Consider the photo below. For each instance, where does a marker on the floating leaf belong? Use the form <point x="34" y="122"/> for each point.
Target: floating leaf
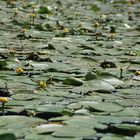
<point x="7" y="136"/>
<point x="73" y="81"/>
<point x="90" y="75"/>
<point x="71" y="132"/>
<point x="112" y="79"/>
<point x="130" y="127"/>
<point x="102" y="106"/>
<point x="86" y="122"/>
<point x="44" y="10"/>
<point x="95" y="8"/>
<point x="45" y="128"/>
<point x="112" y="138"/>
<point x="2" y="65"/>
<point x="50" y="108"/>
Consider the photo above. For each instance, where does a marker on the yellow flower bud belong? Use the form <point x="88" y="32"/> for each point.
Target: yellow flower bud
<point x="32" y="15"/>
<point x="96" y="25"/>
<point x="112" y="35"/>
<point x="19" y="70"/>
<point x="24" y="30"/>
<point x="65" y="30"/>
<point x="137" y="73"/>
<point x="3" y="99"/>
<point x="42" y="84"/>
<point x="11" y="52"/>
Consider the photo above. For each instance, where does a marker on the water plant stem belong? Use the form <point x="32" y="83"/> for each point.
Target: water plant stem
<point x="3" y="111"/>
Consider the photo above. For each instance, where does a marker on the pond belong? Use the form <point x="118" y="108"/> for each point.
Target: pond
<point x="70" y="70"/>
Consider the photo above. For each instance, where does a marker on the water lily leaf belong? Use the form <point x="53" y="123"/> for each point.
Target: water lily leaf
<point x="2" y="123"/>
<point x="95" y="8"/>
<point x="94" y="85"/>
<point x="59" y="119"/>
<point x="23" y="97"/>
<point x="39" y="66"/>
<point x="100" y="86"/>
<point x="102" y="106"/>
<point x="128" y="102"/>
<point x="2" y="65"/>
<point x="44" y="10"/>
<point x="46" y="128"/>
<point x="111" y="79"/>
<point x="127" y="112"/>
<point x="116" y="120"/>
<point x="71" y="132"/>
<point x="82" y="112"/>
<point x="132" y="138"/>
<point x="46" y="137"/>
<point x="86" y="122"/>
<point x="73" y="81"/>
<point x="74" y="106"/>
<point x="112" y="138"/>
<point x="7" y="136"/>
<point x="130" y="127"/>
<point x="90" y="76"/>
<point x="23" y="103"/>
<point x="50" y="108"/>
<point x="32" y="136"/>
<point x="22" y="121"/>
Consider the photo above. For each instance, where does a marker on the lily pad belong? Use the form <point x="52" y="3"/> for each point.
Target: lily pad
<point x="73" y="81"/>
<point x="7" y="136"/>
<point x="130" y="127"/>
<point x="50" y="108"/>
<point x="102" y="106"/>
<point x="112" y="138"/>
<point x="45" y="128"/>
<point x="73" y="132"/>
<point x="112" y="80"/>
<point x="86" y="122"/>
<point x="94" y="85"/>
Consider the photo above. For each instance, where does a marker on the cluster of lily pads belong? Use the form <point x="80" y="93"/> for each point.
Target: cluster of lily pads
<point x="70" y="70"/>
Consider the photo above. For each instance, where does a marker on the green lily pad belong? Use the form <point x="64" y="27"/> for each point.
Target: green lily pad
<point x="86" y="122"/>
<point x="116" y="120"/>
<point x="73" y="132"/>
<point x="50" y="108"/>
<point x="136" y="137"/>
<point x="2" y="64"/>
<point x="23" y="97"/>
<point x="73" y="81"/>
<point x="103" y="106"/>
<point x="7" y="136"/>
<point x="127" y="112"/>
<point x="130" y="127"/>
<point x="82" y="112"/>
<point x="2" y="123"/>
<point x="32" y="136"/>
<point x="45" y="128"/>
<point x="44" y="10"/>
<point x="91" y="75"/>
<point x="21" y="121"/>
<point x="112" y="138"/>
<point x="94" y="85"/>
<point x="112" y="80"/>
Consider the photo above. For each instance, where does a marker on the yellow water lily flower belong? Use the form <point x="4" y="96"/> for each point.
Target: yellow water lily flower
<point x="11" y="52"/>
<point x="19" y="70"/>
<point x="3" y="100"/>
<point x="96" y="25"/>
<point x="42" y="84"/>
<point x="137" y="73"/>
<point x="65" y="30"/>
<point x="24" y="30"/>
<point x="33" y="15"/>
